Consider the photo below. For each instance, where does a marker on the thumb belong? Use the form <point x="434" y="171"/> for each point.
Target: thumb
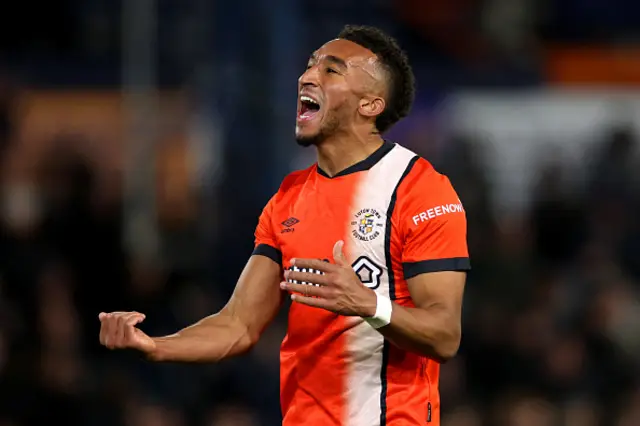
<point x="135" y="319"/>
<point x="130" y="330"/>
<point x="338" y="254"/>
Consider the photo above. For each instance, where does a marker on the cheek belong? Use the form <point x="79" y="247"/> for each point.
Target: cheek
<point x="340" y="102"/>
<point x="338" y="94"/>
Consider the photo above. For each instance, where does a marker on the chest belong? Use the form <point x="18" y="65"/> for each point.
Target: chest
<point x="309" y="224"/>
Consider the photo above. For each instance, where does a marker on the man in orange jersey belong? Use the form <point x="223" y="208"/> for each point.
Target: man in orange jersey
<point x="369" y="243"/>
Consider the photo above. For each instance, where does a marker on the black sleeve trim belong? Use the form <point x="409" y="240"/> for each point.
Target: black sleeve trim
<point x="268" y="251"/>
<point x="411" y="269"/>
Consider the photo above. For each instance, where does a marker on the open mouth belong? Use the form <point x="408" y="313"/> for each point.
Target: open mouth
<point x="309" y="107"/>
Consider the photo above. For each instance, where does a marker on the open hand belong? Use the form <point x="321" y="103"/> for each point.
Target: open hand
<point x="338" y="289"/>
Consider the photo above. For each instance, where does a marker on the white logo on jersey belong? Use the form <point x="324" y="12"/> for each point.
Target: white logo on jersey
<point x="437" y="211"/>
<point x="367" y="224"/>
<point x="369" y="273"/>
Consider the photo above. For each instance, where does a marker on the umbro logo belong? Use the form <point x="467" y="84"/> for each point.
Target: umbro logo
<point x="289" y="223"/>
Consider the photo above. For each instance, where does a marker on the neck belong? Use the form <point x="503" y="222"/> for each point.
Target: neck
<point x="340" y="152"/>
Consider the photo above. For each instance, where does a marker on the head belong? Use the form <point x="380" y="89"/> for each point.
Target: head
<point x="361" y="82"/>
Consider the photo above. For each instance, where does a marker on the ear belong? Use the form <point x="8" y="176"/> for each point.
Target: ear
<point x="371" y="106"/>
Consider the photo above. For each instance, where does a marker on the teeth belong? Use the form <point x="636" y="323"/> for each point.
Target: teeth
<point x="304" y="98"/>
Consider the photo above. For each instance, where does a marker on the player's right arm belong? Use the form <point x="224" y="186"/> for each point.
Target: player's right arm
<point x="232" y="331"/>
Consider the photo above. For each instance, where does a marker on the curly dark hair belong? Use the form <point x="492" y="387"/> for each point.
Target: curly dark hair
<point x="394" y="59"/>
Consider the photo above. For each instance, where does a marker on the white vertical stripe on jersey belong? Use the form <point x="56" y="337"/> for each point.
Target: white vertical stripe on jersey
<point x="364" y="344"/>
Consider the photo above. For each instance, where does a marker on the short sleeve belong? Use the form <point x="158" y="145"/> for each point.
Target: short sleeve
<point x="265" y="240"/>
<point x="433" y="228"/>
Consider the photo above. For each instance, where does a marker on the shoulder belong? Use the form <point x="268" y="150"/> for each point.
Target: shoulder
<point x="423" y="175"/>
<point x="426" y="193"/>
<point x="293" y="182"/>
<point x="296" y="178"/>
<point x="420" y="179"/>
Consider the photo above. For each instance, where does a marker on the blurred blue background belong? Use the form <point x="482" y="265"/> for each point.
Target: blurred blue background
<point x="139" y="142"/>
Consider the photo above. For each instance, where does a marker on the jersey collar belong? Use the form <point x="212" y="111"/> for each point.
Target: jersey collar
<point x="363" y="165"/>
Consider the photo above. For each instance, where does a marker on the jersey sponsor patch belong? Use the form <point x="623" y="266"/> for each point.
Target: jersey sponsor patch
<point x="309" y="270"/>
<point x="436" y="211"/>
<point x="366" y="269"/>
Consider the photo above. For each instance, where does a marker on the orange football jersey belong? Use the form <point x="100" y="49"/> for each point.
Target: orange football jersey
<point x="398" y="218"/>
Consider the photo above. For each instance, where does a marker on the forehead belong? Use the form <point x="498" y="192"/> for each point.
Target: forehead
<point x="348" y="51"/>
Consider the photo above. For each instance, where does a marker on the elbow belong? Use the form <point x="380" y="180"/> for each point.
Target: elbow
<point x="252" y="340"/>
<point x="445" y="354"/>
<point x="242" y="346"/>
<point x="242" y="338"/>
<point x="447" y="346"/>
<point x="249" y="338"/>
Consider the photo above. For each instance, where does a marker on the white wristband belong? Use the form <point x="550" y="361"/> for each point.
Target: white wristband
<point x="382" y="316"/>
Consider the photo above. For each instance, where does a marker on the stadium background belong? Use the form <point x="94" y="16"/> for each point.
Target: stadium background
<point x="139" y="142"/>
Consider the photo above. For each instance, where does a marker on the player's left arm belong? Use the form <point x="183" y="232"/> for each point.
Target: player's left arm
<point x="435" y="260"/>
<point x="433" y="327"/>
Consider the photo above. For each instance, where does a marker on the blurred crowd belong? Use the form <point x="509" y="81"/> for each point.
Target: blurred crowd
<point x="552" y="309"/>
<point x="551" y="331"/>
<point x="552" y="315"/>
<point x="64" y="259"/>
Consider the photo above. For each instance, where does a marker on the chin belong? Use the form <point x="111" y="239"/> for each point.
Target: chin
<point x="305" y="137"/>
<point x="307" y="140"/>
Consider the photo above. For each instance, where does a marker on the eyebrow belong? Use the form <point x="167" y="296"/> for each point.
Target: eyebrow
<point x="331" y="58"/>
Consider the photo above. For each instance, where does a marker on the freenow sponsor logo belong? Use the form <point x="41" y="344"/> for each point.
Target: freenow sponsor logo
<point x="437" y="211"/>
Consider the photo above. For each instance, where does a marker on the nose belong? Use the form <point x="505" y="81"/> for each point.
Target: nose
<point x="309" y="77"/>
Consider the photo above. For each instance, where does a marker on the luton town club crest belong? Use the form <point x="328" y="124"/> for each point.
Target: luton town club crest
<point x="367" y="225"/>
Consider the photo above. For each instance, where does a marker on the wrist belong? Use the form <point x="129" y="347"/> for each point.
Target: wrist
<point x="154" y="352"/>
<point x="382" y="314"/>
<point x="370" y="305"/>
